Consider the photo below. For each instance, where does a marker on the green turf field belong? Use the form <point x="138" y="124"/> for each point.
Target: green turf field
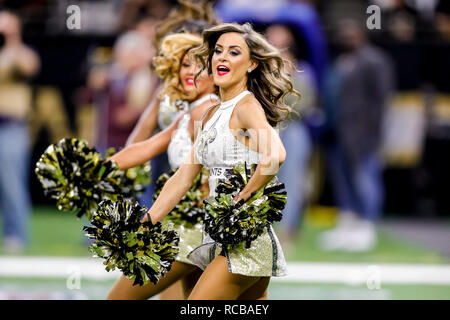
<point x="57" y="233"/>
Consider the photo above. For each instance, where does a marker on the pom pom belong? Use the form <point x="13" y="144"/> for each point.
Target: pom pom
<point x="231" y="223"/>
<point x="133" y="181"/>
<point x="189" y="210"/>
<point x="142" y="251"/>
<point x="76" y="176"/>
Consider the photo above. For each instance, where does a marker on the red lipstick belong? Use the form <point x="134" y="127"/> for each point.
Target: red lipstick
<point x="190" y="81"/>
<point x="222" y="70"/>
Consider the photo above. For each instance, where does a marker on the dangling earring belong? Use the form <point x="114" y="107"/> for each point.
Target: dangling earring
<point x="249" y="70"/>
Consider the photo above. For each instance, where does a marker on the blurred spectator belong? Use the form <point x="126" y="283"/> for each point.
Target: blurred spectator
<point x="147" y="27"/>
<point x="442" y="20"/>
<point x="401" y="20"/>
<point x="49" y="114"/>
<point x="17" y="64"/>
<point x="122" y="90"/>
<point x="295" y="136"/>
<point x="133" y="10"/>
<point x="407" y="20"/>
<point x="356" y="97"/>
<point x="86" y="114"/>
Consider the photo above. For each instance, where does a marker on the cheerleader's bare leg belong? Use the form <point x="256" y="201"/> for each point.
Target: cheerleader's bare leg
<point x="173" y="292"/>
<point x="188" y="283"/>
<point x="181" y="289"/>
<point x="123" y="288"/>
<point x="217" y="283"/>
<point x="254" y="292"/>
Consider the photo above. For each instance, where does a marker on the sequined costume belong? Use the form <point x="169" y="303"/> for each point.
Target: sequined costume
<point x="218" y="150"/>
<point x="169" y="111"/>
<point x="179" y="147"/>
<point x="181" y="144"/>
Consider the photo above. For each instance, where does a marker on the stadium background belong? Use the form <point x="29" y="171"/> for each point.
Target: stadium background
<point x="411" y="260"/>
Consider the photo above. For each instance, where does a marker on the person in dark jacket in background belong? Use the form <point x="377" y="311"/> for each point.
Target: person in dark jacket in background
<point x="362" y="81"/>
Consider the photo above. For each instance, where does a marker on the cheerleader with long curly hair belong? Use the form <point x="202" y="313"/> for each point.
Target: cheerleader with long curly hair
<point x="176" y="67"/>
<point x="191" y="18"/>
<point x="253" y="81"/>
<point x="188" y="17"/>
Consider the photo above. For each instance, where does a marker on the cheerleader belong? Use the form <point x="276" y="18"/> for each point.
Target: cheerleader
<point x="253" y="81"/>
<point x="189" y="17"/>
<point x="175" y="66"/>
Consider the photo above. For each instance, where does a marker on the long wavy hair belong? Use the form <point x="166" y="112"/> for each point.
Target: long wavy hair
<point x="270" y="81"/>
<point x="168" y="63"/>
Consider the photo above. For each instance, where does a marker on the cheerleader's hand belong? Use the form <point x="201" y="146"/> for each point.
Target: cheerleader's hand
<point x="239" y="200"/>
<point x="242" y="198"/>
<point x="147" y="218"/>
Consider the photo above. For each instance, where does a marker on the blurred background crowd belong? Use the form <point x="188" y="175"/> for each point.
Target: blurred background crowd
<point x="371" y="140"/>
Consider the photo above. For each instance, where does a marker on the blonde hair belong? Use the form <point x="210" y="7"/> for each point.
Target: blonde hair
<point x="168" y="63"/>
<point x="270" y="81"/>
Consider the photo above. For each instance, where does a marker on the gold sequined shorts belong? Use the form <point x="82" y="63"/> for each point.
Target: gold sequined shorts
<point x="264" y="258"/>
<point x="190" y="238"/>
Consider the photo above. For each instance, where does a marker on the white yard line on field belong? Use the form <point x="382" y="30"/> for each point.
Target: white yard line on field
<point x="300" y="272"/>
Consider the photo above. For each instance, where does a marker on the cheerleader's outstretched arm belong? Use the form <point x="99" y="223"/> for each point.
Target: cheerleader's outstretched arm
<point x="264" y="139"/>
<point x="175" y="188"/>
<point x="140" y="152"/>
<point x="146" y="125"/>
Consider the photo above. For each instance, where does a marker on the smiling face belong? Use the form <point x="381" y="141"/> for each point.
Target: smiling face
<point x="188" y="69"/>
<point x="187" y="72"/>
<point x="231" y="60"/>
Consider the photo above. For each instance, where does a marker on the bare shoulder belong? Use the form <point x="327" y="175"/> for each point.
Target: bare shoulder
<point x="209" y="112"/>
<point x="249" y="108"/>
<point x="198" y="112"/>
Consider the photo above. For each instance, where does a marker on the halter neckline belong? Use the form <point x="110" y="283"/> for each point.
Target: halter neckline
<point x="198" y="102"/>
<point x="233" y="101"/>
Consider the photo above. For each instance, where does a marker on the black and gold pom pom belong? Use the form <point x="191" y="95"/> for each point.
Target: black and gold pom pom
<point x="76" y="176"/>
<point x="189" y="210"/>
<point x="231" y="223"/>
<point x="142" y="251"/>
